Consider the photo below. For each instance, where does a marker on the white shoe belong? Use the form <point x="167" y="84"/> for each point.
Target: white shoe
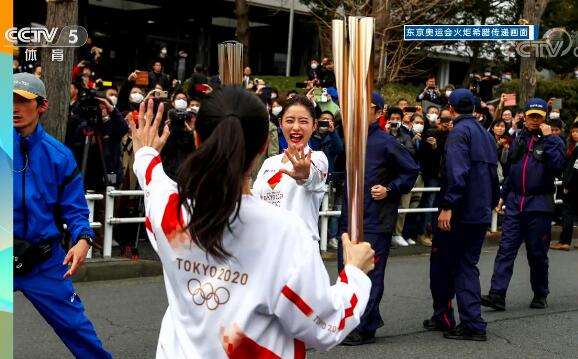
<point x="333" y="243"/>
<point x="411" y="242"/>
<point x="399" y="241"/>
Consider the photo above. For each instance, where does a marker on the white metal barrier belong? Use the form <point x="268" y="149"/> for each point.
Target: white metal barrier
<point x="325" y="214"/>
<point x="90" y="199"/>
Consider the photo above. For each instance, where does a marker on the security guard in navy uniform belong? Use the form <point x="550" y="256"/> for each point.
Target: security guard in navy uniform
<point x="48" y="187"/>
<point x="536" y="158"/>
<point x="469" y="191"/>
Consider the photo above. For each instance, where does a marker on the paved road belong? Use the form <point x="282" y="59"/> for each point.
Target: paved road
<point x="128" y="313"/>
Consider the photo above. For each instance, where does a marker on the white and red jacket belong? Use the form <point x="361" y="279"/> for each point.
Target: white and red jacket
<point x="271" y="299"/>
<point x="300" y="197"/>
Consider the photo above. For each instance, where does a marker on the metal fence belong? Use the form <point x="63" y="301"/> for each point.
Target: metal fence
<point x="325" y="214"/>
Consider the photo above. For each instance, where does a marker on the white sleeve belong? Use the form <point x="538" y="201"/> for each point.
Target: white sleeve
<point x="152" y="178"/>
<point x="317" y="173"/>
<point x="313" y="310"/>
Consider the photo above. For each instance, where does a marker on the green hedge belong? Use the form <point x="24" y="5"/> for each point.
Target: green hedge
<point x="567" y="90"/>
<point x="391" y="92"/>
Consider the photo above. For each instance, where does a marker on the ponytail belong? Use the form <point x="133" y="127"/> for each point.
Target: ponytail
<point x="233" y="127"/>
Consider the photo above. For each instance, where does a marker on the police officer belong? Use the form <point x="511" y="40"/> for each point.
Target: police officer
<point x="536" y="158"/>
<point x="390" y="171"/>
<point x="469" y="191"/>
<point x="48" y="189"/>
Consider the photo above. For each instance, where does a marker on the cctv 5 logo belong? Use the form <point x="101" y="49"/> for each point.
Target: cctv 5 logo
<point x="40" y="36"/>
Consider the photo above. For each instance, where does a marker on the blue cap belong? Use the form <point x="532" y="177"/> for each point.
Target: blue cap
<point x="537" y="106"/>
<point x="332" y="91"/>
<point x="377" y="100"/>
<point x="462" y="99"/>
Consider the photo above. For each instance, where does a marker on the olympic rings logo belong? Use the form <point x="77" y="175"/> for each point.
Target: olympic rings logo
<point x="205" y="293"/>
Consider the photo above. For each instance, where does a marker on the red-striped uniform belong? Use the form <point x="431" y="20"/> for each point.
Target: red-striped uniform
<point x="271" y="299"/>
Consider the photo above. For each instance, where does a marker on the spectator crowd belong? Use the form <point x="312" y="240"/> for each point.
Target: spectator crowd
<point x="99" y="136"/>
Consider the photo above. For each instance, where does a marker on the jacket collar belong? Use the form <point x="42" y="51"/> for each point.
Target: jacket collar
<point x="373" y="127"/>
<point x="31" y="140"/>
<point x="463" y="117"/>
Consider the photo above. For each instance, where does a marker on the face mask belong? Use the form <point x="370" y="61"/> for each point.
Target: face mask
<point x="576" y="74"/>
<point x="554" y="115"/>
<point x="313" y="66"/>
<point x="448" y="93"/>
<point x="164" y="51"/>
<point x="136" y="97"/>
<point x="195" y="109"/>
<point x="418" y="127"/>
<point x="180" y="104"/>
<point x="432" y="117"/>
<point x="273" y="95"/>
<point x="487" y="73"/>
<point x="276" y="110"/>
<point x="113" y="99"/>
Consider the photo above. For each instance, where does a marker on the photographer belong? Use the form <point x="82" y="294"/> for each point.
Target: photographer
<point x="431" y="92"/>
<point x="326" y="139"/>
<point x="180" y="143"/>
<point x="94" y="119"/>
<point x="48" y="192"/>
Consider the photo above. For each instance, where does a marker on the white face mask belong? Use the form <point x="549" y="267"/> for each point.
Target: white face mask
<point x="113" y="99"/>
<point x="195" y="109"/>
<point x="314" y="66"/>
<point x="432" y="117"/>
<point x="276" y="110"/>
<point x="576" y="74"/>
<point x="418" y="127"/>
<point x="136" y="97"/>
<point x="180" y="104"/>
<point x="554" y="115"/>
<point x="487" y="73"/>
<point x="163" y="51"/>
<point x="448" y="93"/>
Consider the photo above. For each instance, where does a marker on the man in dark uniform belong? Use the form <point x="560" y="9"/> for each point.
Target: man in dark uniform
<point x="469" y="191"/>
<point x="390" y="171"/>
<point x="536" y="158"/>
<point x="48" y="192"/>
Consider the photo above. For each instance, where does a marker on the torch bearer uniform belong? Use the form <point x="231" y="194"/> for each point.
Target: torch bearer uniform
<point x="271" y="299"/>
<point x="300" y="197"/>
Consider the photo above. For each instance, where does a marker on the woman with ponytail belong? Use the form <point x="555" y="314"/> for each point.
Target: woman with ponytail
<point x="243" y="278"/>
<point x="295" y="180"/>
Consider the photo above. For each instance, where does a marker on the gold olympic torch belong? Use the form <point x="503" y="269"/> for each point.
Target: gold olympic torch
<point x="352" y="53"/>
<point x="231" y="62"/>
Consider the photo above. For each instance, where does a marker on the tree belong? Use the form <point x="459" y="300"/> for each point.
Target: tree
<point x="242" y="33"/>
<point x="394" y="59"/>
<point x="57" y="75"/>
<point x="533" y="10"/>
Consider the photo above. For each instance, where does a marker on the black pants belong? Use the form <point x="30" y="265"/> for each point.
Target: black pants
<point x="568" y="215"/>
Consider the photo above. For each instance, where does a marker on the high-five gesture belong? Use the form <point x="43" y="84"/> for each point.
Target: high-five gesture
<point x="301" y="162"/>
<point x="147" y="132"/>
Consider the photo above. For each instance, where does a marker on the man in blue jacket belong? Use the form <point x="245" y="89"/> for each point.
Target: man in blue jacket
<point x="390" y="171"/>
<point x="536" y="158"/>
<point x="48" y="192"/>
<point x="469" y="191"/>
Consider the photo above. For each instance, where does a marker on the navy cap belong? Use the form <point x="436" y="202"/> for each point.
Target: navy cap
<point x="377" y="100"/>
<point x="537" y="106"/>
<point x="461" y="99"/>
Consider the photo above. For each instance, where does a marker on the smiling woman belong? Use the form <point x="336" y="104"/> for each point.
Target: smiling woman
<point x="295" y="180"/>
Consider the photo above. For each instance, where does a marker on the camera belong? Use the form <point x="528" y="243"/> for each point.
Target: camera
<point x="89" y="106"/>
<point x="179" y="117"/>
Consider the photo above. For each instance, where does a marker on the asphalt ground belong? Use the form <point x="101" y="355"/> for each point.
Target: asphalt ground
<point x="127" y="315"/>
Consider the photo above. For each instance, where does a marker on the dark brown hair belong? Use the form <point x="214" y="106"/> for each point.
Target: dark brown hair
<point x="232" y="125"/>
